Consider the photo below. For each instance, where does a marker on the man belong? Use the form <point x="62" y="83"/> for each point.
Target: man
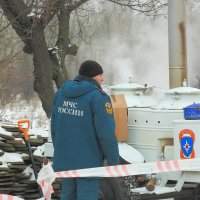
<point x="82" y="128"/>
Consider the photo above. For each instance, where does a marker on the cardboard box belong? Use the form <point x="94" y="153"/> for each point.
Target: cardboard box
<point x="121" y="116"/>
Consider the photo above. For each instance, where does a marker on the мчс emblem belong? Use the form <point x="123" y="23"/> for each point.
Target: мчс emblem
<point x="108" y="108"/>
<point x="187" y="139"/>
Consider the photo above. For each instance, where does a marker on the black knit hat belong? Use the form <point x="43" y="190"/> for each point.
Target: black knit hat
<point x="90" y="68"/>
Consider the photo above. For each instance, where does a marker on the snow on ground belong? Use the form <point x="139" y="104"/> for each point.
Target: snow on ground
<point x="31" y="110"/>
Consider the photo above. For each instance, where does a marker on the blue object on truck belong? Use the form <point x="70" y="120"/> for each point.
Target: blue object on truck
<point x="192" y="112"/>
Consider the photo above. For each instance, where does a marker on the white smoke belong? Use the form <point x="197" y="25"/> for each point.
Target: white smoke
<point x="129" y="44"/>
<point x="193" y="43"/>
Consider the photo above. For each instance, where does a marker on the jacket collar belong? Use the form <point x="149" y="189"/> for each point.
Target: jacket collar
<point x="80" y="78"/>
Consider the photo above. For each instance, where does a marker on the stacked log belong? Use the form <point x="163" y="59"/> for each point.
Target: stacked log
<point x="16" y="174"/>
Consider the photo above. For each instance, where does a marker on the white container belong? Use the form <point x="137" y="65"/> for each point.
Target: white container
<point x="149" y="130"/>
<point x="136" y="95"/>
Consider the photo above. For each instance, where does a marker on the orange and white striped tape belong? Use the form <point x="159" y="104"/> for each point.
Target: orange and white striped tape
<point x="133" y="169"/>
<point x="9" y="197"/>
<point x="46" y="176"/>
<point x="47" y="189"/>
<point x="111" y="171"/>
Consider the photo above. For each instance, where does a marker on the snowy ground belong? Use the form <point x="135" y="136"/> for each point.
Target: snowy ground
<point x="32" y="110"/>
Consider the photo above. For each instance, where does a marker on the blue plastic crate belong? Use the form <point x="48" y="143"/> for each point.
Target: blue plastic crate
<point x="192" y="112"/>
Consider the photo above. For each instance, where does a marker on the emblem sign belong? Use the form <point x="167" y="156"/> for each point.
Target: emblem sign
<point x="109" y="108"/>
<point x="187" y="139"/>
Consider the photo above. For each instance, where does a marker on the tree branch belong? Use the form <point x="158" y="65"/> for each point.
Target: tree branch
<point x="50" y="10"/>
<point x="76" y="5"/>
<point x="11" y="22"/>
<point x="149" y="7"/>
<point x="17" y="9"/>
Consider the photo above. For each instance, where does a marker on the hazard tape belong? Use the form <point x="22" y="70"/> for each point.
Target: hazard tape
<point x="47" y="189"/>
<point x="133" y="169"/>
<point x="46" y="176"/>
<point x="9" y="197"/>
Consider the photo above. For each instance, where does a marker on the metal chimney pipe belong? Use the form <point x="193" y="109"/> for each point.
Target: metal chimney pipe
<point x="177" y="42"/>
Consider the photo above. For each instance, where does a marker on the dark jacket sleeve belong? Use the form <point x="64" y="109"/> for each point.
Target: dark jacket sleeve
<point x="104" y="124"/>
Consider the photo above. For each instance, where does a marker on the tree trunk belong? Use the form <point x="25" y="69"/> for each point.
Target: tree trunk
<point x="42" y="69"/>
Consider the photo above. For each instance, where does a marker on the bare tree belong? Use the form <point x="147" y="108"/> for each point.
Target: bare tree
<point x="7" y="72"/>
<point x="9" y="53"/>
<point x="29" y="18"/>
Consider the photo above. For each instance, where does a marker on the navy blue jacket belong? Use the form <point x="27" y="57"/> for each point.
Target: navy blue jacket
<point x="83" y="126"/>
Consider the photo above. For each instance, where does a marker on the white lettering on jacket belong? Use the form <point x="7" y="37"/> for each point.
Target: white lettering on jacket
<point x="70" y="104"/>
<point x="70" y="108"/>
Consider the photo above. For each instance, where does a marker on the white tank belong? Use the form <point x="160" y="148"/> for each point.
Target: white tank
<point x="150" y="118"/>
<point x="136" y="95"/>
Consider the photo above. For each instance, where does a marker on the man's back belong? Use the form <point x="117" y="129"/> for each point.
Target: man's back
<point x="76" y="137"/>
